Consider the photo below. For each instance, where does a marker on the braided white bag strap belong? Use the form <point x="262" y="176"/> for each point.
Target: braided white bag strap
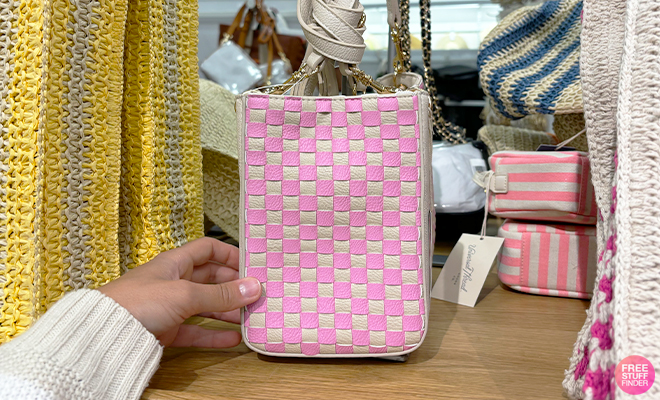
<point x="334" y="30"/>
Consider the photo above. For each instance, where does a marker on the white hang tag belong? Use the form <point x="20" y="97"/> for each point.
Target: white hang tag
<point x="465" y="271"/>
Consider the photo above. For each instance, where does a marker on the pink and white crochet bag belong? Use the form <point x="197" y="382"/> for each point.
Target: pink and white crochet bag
<point x="337" y="201"/>
<point x="542" y="186"/>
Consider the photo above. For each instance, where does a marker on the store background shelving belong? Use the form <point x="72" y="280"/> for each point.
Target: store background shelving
<point x="453" y="20"/>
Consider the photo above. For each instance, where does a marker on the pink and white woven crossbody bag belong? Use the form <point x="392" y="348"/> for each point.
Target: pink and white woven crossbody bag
<point x="337" y="201"/>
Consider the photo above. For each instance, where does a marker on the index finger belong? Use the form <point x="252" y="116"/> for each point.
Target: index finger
<point x="204" y="250"/>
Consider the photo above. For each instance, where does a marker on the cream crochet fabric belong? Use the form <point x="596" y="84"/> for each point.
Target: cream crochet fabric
<point x="85" y="347"/>
<point x="637" y="261"/>
<point x="621" y="81"/>
<point x="220" y="156"/>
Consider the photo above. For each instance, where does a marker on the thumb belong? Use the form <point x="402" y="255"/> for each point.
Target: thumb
<point x="226" y="296"/>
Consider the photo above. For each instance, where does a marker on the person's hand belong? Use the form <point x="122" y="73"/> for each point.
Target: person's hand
<point x="200" y="277"/>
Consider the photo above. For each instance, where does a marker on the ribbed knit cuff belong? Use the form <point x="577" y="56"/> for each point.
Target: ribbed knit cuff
<point x="101" y="343"/>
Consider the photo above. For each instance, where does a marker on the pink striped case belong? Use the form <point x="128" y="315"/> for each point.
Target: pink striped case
<point x="543" y="186"/>
<point x="337" y="224"/>
<point x="553" y="260"/>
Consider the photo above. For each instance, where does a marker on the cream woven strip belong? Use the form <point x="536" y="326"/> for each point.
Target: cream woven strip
<point x="161" y="207"/>
<point x="76" y="144"/>
<point x="176" y="193"/>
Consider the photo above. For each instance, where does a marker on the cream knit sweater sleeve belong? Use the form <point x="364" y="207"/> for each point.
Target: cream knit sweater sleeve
<point x="85" y="347"/>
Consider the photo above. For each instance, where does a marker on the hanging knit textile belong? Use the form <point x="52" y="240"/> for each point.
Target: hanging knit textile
<point x="100" y="159"/>
<point x="620" y="71"/>
<point x="529" y="63"/>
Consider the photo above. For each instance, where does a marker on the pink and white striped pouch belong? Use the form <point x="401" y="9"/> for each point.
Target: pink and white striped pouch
<point x="337" y="223"/>
<point x="542" y="186"/>
<point x="553" y="260"/>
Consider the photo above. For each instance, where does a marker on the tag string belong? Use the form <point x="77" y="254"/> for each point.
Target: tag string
<point x="487" y="179"/>
<point x="570" y="139"/>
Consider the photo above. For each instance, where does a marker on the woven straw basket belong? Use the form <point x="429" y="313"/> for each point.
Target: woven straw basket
<point x="501" y="138"/>
<point x="219" y="136"/>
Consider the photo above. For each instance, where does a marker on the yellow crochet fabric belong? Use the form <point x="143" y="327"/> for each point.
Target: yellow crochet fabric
<point x="24" y="76"/>
<point x="191" y="143"/>
<point x="100" y="158"/>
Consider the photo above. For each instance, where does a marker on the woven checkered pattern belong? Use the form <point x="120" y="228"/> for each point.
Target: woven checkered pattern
<point x="333" y="222"/>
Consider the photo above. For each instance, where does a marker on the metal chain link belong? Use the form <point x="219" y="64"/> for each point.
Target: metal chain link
<point x="304" y="73"/>
<point x="442" y="128"/>
<point x="404" y="6"/>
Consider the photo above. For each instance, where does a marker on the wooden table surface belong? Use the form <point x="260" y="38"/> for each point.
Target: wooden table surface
<point x="510" y="346"/>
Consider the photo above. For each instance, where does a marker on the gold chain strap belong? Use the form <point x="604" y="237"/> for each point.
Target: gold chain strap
<point x="399" y="61"/>
<point x="446" y="129"/>
<point x="225" y="38"/>
<point x="359" y="75"/>
<point x="404" y="43"/>
<point x="367" y="80"/>
<point x="296" y="77"/>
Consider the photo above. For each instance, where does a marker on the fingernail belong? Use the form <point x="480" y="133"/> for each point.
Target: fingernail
<point x="250" y="288"/>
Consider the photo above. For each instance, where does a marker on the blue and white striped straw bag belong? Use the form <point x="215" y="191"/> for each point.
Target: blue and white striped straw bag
<point x="529" y="63"/>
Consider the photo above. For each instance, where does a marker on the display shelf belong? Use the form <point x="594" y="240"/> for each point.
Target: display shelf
<point x="454" y="24"/>
<point x="465" y="103"/>
<point x="509" y="344"/>
<point x="468" y="19"/>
